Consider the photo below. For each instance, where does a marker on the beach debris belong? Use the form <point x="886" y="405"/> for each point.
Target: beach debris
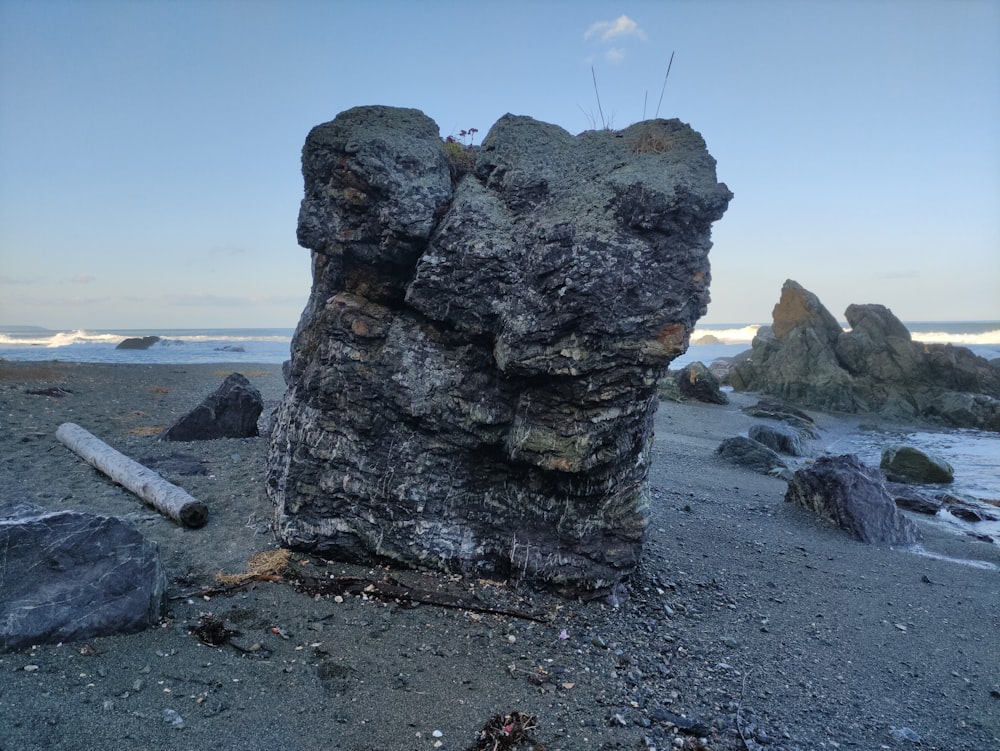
<point x="231" y="411"/>
<point x="268" y="565"/>
<point x="170" y="500"/>
<point x="212" y="631"/>
<point x="505" y="731"/>
<point x="173" y="718"/>
<point x="391" y="590"/>
<point x="56" y="391"/>
<point x="904" y="734"/>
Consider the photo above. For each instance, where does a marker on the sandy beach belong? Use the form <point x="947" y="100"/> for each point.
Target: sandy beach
<point x="749" y="624"/>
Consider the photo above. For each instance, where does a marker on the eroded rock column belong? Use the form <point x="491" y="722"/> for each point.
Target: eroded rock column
<point x="472" y="383"/>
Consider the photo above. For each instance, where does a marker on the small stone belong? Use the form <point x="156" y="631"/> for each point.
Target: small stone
<point x="437" y="734"/>
<point x="171" y="717"/>
<point x="30" y="668"/>
<point x="730" y="642"/>
<point x="599" y="642"/>
<point x="904" y="734"/>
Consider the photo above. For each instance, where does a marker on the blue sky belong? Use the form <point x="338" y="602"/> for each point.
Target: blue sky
<point x="149" y="151"/>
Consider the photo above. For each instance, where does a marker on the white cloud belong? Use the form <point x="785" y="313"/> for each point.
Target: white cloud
<point x="614" y="55"/>
<point x="623" y="26"/>
<point x="83" y="278"/>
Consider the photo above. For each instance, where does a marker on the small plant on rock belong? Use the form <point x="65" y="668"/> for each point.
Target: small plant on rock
<point x="461" y="154"/>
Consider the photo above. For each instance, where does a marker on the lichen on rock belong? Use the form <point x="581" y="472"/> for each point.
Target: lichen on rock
<point x="473" y="379"/>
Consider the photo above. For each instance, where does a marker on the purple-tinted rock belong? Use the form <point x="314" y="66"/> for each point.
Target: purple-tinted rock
<point x="847" y="492"/>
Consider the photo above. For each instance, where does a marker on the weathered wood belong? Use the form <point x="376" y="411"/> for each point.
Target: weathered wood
<point x="170" y="500"/>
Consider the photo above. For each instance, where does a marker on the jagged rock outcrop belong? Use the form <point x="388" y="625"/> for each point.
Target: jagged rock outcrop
<point x="805" y="358"/>
<point x="231" y="411"/>
<point x="68" y="575"/>
<point x="473" y="379"/>
<point x="847" y="492"/>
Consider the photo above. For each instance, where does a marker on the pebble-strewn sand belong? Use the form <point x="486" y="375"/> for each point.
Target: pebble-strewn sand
<point x="747" y="614"/>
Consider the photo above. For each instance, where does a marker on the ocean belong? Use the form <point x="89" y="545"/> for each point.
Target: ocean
<point x="176" y="346"/>
<point x="974" y="454"/>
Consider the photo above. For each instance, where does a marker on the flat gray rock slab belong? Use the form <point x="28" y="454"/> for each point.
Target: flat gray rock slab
<point x="67" y="576"/>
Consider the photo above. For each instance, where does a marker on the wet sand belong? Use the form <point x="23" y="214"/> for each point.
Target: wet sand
<point x="748" y="621"/>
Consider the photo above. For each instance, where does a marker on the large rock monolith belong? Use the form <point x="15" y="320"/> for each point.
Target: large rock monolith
<point x="472" y="382"/>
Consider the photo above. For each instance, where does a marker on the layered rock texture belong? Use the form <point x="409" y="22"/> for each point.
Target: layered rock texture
<point x="473" y="379"/>
<point x="806" y="358"/>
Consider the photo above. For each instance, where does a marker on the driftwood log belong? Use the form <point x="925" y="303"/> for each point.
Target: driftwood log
<point x="170" y="500"/>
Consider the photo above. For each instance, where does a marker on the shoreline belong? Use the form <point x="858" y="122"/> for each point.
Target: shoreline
<point x="745" y="613"/>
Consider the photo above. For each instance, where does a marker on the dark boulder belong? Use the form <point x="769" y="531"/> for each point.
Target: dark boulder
<point x="770" y="409"/>
<point x="231" y="411"/>
<point x="695" y="381"/>
<point x="68" y="576"/>
<point x="845" y="491"/>
<point x="748" y="453"/>
<point x="473" y="379"/>
<point x="784" y="440"/>
<point x="906" y="497"/>
<point x="138" y="342"/>
<point x="910" y="464"/>
<point x="875" y="366"/>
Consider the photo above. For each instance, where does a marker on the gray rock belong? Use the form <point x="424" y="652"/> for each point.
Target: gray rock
<point x="746" y="452"/>
<point x="231" y="411"/>
<point x="843" y="490"/>
<point x="138" y="342"/>
<point x="794" y="418"/>
<point x="780" y="439"/>
<point x="68" y="576"/>
<point x="874" y="367"/>
<point x="695" y="381"/>
<point x="475" y="372"/>
<point x="907" y="498"/>
<point x="910" y="464"/>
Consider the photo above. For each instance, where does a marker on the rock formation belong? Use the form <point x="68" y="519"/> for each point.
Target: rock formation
<point x="473" y="379"/>
<point x="138" y="342"/>
<point x="695" y="381"/>
<point x="805" y="358"/>
<point x="68" y="576"/>
<point x="845" y="491"/>
<point x="902" y="463"/>
<point x="231" y="411"/>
